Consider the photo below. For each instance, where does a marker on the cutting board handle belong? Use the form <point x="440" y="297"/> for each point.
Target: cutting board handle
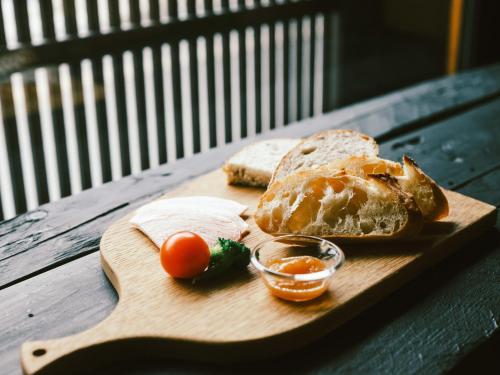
<point x="72" y="353"/>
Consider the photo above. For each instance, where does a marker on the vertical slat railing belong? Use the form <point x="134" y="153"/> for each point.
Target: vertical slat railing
<point x="140" y="98"/>
<point x="226" y="60"/>
<point x="257" y="74"/>
<point x="176" y="84"/>
<point x="272" y="71"/>
<point x="242" y="76"/>
<point x="286" y="71"/>
<point x="11" y="136"/>
<point x="75" y="73"/>
<point x="13" y="149"/>
<point x="100" y="103"/>
<point x="31" y="115"/>
<point x="154" y="15"/>
<point x="47" y="20"/>
<point x="59" y="132"/>
<point x="193" y="73"/>
<point x="294" y="78"/>
<point x="119" y="88"/>
<point x="331" y="61"/>
<point x="312" y="60"/>
<point x="298" y="64"/>
<point x="209" y="40"/>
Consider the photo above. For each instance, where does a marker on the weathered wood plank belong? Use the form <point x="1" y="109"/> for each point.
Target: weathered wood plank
<point x="40" y="308"/>
<point x="458" y="149"/>
<point x="423" y="328"/>
<point x="59" y="232"/>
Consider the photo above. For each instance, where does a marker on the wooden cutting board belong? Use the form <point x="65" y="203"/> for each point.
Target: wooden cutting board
<point x="237" y="319"/>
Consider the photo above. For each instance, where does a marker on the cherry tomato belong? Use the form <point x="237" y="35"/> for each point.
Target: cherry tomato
<point x="184" y="255"/>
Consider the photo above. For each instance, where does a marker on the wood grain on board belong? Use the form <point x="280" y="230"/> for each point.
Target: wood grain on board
<point x="157" y="315"/>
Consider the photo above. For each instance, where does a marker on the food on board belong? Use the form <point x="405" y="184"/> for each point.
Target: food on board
<point x="226" y="255"/>
<point x="184" y="255"/>
<point x="427" y="194"/>
<point x="294" y="290"/>
<point x="255" y="164"/>
<point x="209" y="217"/>
<point x="323" y="148"/>
<point x="323" y="203"/>
<point x="333" y="184"/>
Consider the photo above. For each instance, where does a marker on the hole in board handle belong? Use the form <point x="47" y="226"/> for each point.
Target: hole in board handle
<point x="39" y="352"/>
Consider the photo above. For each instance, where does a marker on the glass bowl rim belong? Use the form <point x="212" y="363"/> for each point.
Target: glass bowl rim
<point x="314" y="276"/>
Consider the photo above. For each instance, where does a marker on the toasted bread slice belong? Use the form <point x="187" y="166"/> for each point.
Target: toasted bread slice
<point x="255" y="164"/>
<point x="427" y="194"/>
<point x="323" y="148"/>
<point x="339" y="206"/>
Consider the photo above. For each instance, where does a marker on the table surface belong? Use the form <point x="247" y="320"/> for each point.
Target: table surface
<point x="51" y="282"/>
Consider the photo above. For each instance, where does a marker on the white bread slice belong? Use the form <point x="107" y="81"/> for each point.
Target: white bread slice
<point x="427" y="194"/>
<point x="342" y="207"/>
<point x="255" y="164"/>
<point x="323" y="148"/>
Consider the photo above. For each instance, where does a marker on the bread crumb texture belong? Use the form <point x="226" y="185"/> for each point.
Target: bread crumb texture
<point x="334" y="206"/>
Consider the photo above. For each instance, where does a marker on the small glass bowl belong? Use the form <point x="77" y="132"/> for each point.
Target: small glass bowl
<point x="297" y="286"/>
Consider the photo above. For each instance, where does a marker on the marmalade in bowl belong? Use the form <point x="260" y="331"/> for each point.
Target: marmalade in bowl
<point x="293" y="290"/>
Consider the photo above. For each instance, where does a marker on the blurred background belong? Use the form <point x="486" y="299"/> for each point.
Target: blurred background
<point x="92" y="91"/>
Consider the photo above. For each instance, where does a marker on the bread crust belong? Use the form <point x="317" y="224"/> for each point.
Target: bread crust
<point x="297" y="150"/>
<point x="440" y="207"/>
<point x="264" y="218"/>
<point x="242" y="168"/>
<point x="427" y="194"/>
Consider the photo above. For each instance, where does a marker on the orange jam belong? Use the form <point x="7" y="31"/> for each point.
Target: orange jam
<point x="293" y="290"/>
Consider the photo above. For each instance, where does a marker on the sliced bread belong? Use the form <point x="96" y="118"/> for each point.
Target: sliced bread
<point x="427" y="194"/>
<point x="338" y="206"/>
<point x="254" y="164"/>
<point x="323" y="148"/>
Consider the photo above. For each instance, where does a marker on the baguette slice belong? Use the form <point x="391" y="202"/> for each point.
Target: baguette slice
<point x="254" y="165"/>
<point x="427" y="194"/>
<point x="323" y="148"/>
<point x="338" y="206"/>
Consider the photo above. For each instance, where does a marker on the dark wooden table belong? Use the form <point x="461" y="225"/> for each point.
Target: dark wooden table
<point x="51" y="282"/>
